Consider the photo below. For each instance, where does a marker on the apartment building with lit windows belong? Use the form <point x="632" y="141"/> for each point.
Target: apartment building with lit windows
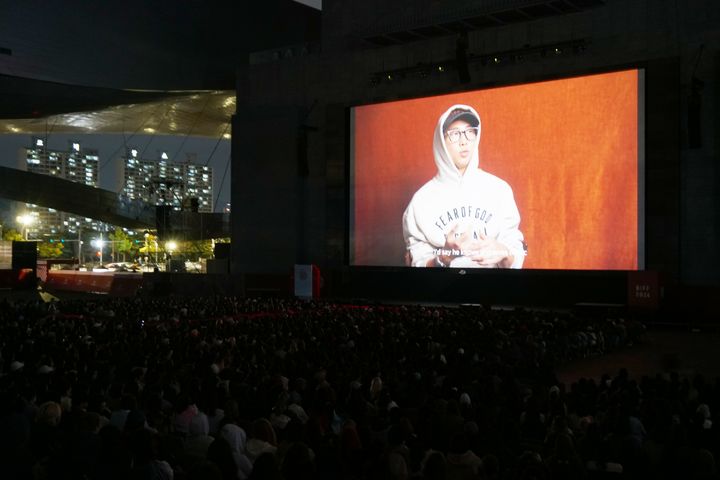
<point x="182" y="185"/>
<point x="77" y="164"/>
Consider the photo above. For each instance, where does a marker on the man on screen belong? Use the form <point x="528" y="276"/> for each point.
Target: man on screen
<point x="463" y="217"/>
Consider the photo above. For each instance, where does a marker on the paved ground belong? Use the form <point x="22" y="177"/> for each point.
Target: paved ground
<point x="662" y="350"/>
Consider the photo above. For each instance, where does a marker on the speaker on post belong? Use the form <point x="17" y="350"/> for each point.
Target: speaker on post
<point x="222" y="251"/>
<point x="24" y="255"/>
<point x="303" y="167"/>
<point x="162" y="220"/>
<point x="695" y="114"/>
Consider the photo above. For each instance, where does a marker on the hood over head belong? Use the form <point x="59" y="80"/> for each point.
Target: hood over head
<point x="447" y="171"/>
<point x="199" y="425"/>
<point x="235" y="436"/>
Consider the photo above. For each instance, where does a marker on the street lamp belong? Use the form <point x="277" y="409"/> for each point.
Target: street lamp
<point x="99" y="243"/>
<point x="25" y="220"/>
<point x="147" y="249"/>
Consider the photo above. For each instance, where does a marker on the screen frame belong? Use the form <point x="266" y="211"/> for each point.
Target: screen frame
<point x="350" y="163"/>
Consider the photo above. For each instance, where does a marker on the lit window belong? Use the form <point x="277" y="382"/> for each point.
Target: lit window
<point x="164" y="156"/>
<point x="76" y="146"/>
<point x="134" y="153"/>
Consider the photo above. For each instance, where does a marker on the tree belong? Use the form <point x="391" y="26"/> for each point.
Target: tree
<point x="12" y="234"/>
<point x="194" y="249"/>
<point x="50" y="249"/>
<point x="150" y="247"/>
<point x="122" y="243"/>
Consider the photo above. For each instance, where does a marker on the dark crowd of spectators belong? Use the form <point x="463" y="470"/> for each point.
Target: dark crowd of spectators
<point x="231" y="388"/>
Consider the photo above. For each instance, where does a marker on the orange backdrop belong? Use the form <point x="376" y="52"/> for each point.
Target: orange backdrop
<point x="568" y="148"/>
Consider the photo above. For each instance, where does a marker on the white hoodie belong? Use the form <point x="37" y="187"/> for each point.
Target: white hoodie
<point x="476" y="202"/>
<point x="236" y="438"/>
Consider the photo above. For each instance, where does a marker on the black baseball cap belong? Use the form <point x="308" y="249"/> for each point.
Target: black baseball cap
<point x="461" y="114"/>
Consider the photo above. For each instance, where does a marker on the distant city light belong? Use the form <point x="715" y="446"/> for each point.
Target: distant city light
<point x="25" y="219"/>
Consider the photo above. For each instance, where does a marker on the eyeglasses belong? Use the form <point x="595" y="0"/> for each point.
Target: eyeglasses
<point x="470" y="134"/>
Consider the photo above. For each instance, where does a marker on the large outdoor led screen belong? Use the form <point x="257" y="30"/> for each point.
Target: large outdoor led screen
<point x="545" y="175"/>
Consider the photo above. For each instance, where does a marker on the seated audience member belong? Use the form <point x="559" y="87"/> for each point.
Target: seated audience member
<point x="235" y="438"/>
<point x="263" y="439"/>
